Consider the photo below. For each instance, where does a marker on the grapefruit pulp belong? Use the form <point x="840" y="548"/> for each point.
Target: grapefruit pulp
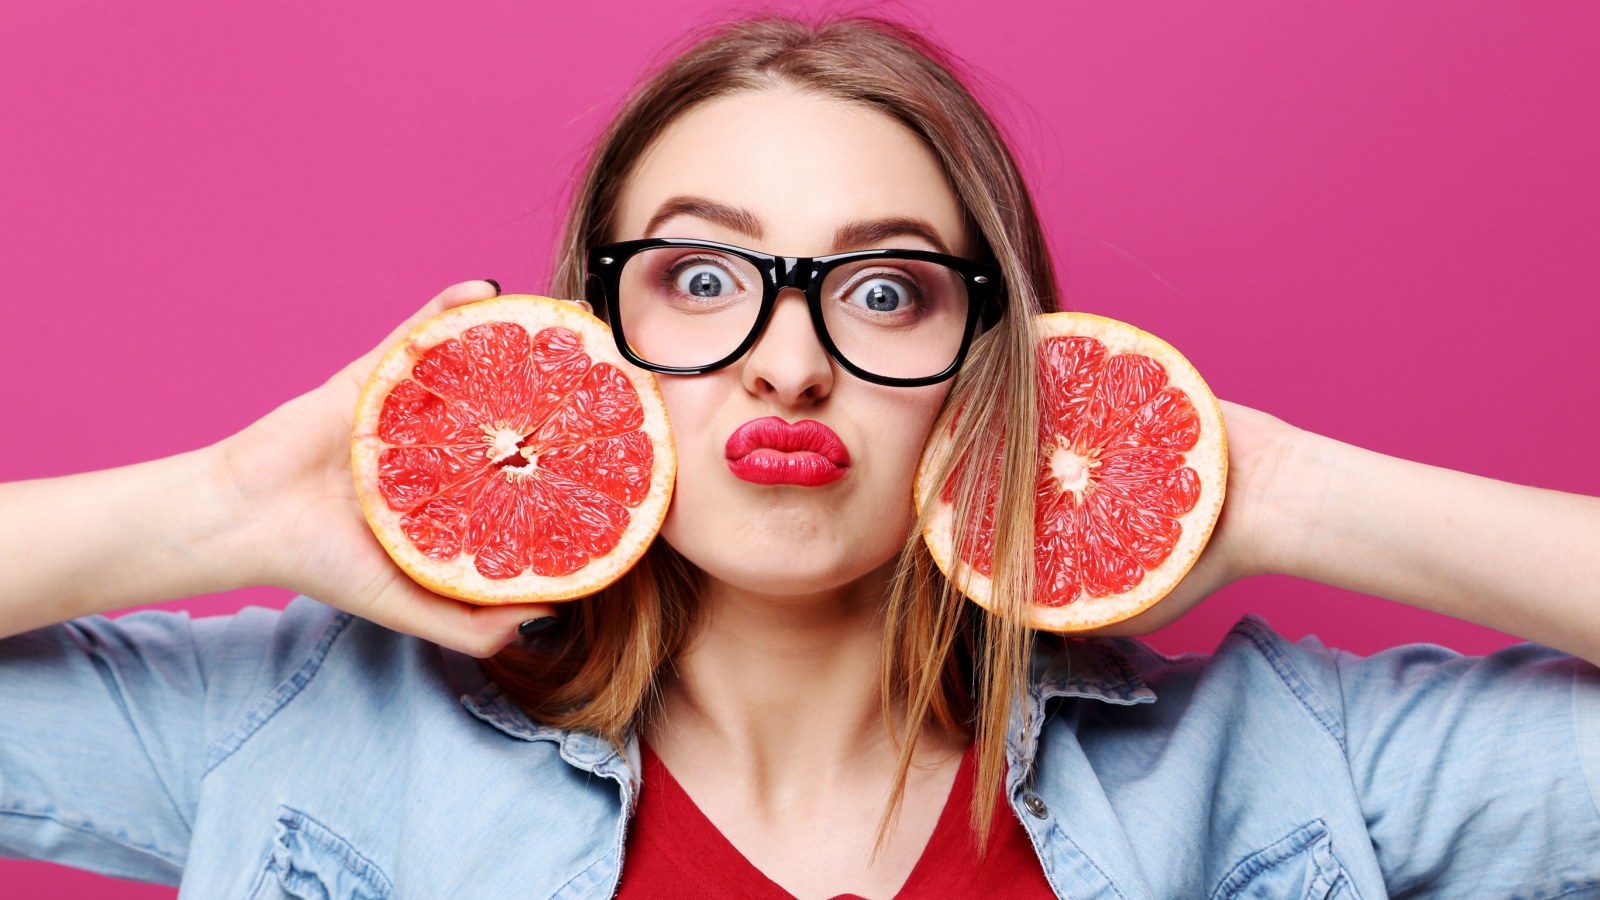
<point x="504" y="452"/>
<point x="1132" y="464"/>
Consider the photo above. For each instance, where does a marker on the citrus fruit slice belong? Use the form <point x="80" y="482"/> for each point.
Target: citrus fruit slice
<point x="504" y="452"/>
<point x="1132" y="465"/>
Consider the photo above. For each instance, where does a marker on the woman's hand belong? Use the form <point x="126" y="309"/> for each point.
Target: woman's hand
<point x="287" y="478"/>
<point x="1258" y="515"/>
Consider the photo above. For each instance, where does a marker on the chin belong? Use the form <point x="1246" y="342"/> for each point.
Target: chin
<point x="785" y="563"/>
<point x="789" y="577"/>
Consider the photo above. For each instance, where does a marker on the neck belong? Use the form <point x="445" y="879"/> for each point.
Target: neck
<point x="772" y="722"/>
<point x="771" y="687"/>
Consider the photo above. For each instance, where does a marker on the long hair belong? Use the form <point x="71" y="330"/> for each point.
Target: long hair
<point x="946" y="662"/>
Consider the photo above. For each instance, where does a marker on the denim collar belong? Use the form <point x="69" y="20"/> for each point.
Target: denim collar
<point x="1084" y="668"/>
<point x="1092" y="669"/>
<point x="588" y="752"/>
<point x="494" y="707"/>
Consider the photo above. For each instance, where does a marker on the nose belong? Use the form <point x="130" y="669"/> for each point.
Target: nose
<point x="788" y="364"/>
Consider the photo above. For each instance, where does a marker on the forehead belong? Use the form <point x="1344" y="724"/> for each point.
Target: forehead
<point x="801" y="164"/>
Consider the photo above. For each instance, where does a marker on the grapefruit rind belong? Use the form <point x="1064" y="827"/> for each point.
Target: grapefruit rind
<point x="457" y="577"/>
<point x="1209" y="459"/>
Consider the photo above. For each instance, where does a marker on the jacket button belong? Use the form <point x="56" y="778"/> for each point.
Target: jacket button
<point x="1036" y="806"/>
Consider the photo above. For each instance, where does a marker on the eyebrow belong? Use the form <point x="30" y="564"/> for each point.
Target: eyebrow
<point x="851" y="235"/>
<point x="870" y="232"/>
<point x="730" y="217"/>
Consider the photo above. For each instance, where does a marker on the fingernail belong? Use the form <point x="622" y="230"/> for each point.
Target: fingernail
<point x="534" y="626"/>
<point x="493" y="282"/>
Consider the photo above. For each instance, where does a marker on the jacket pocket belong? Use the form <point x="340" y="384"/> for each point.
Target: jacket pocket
<point x="1299" y="866"/>
<point x="309" y="862"/>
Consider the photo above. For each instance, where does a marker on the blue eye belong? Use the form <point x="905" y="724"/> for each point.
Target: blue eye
<point x="879" y="295"/>
<point x="705" y="280"/>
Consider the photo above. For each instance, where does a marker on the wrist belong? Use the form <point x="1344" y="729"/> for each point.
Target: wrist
<point x="102" y="541"/>
<point x="224" y="533"/>
<point x="1287" y="489"/>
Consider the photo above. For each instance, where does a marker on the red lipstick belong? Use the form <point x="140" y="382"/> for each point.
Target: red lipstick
<point x="772" y="451"/>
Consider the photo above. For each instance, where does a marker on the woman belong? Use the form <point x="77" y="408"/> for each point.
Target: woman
<point x="761" y="709"/>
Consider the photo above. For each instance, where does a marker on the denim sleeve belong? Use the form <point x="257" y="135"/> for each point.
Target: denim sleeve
<point x="1478" y="776"/>
<point x="105" y="724"/>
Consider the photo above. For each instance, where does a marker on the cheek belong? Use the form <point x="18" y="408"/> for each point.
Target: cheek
<point x="922" y="406"/>
<point x="693" y="403"/>
<point x="694" y="407"/>
<point x="895" y="432"/>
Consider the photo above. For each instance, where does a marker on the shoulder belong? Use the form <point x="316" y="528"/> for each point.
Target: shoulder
<point x="359" y="743"/>
<point x="1292" y="758"/>
<point x="1314" y="698"/>
<point x="1254" y="669"/>
<point x="266" y="664"/>
<point x="1398" y="762"/>
<point x="1138" y="715"/>
<point x="1253" y="666"/>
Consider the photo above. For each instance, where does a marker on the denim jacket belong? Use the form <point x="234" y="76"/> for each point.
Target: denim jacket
<point x="311" y="754"/>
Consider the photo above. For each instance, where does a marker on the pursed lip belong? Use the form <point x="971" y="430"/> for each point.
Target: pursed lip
<point x="771" y="451"/>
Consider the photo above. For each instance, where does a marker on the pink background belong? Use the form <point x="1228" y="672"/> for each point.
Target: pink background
<point x="1379" y="221"/>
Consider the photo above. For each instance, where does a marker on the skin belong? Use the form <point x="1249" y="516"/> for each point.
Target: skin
<point x="771" y="719"/>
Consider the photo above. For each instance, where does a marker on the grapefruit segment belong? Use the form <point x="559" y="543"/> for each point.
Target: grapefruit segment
<point x="412" y="414"/>
<point x="603" y="404"/>
<point x="614" y="466"/>
<point x="1132" y="464"/>
<point x="504" y="452"/>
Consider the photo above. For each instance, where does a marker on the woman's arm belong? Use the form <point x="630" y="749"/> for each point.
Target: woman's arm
<point x="102" y="541"/>
<point x="273" y="504"/>
<point x="1518" y="559"/>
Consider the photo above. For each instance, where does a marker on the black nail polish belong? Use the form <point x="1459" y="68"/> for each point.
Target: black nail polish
<point x="495" y="283"/>
<point x="534" y="626"/>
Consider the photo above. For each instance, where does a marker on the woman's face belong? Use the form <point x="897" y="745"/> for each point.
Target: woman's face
<point x="784" y="172"/>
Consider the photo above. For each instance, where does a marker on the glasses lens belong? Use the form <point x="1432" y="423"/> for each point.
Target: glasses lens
<point x="899" y="318"/>
<point x="687" y="306"/>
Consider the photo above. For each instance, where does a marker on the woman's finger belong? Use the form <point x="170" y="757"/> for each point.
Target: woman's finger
<point x="475" y="630"/>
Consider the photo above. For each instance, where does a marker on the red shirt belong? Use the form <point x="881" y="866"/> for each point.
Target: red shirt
<point x="674" y="851"/>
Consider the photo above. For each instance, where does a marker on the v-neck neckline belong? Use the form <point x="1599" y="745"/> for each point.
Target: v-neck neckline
<point x="708" y="857"/>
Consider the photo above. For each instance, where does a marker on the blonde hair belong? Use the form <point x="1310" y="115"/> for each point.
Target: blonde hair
<point x="950" y="663"/>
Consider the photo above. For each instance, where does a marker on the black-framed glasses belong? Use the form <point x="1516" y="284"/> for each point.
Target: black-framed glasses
<point x="895" y="317"/>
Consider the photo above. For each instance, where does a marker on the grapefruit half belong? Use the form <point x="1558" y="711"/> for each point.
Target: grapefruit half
<point x="1132" y="466"/>
<point x="505" y="452"/>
